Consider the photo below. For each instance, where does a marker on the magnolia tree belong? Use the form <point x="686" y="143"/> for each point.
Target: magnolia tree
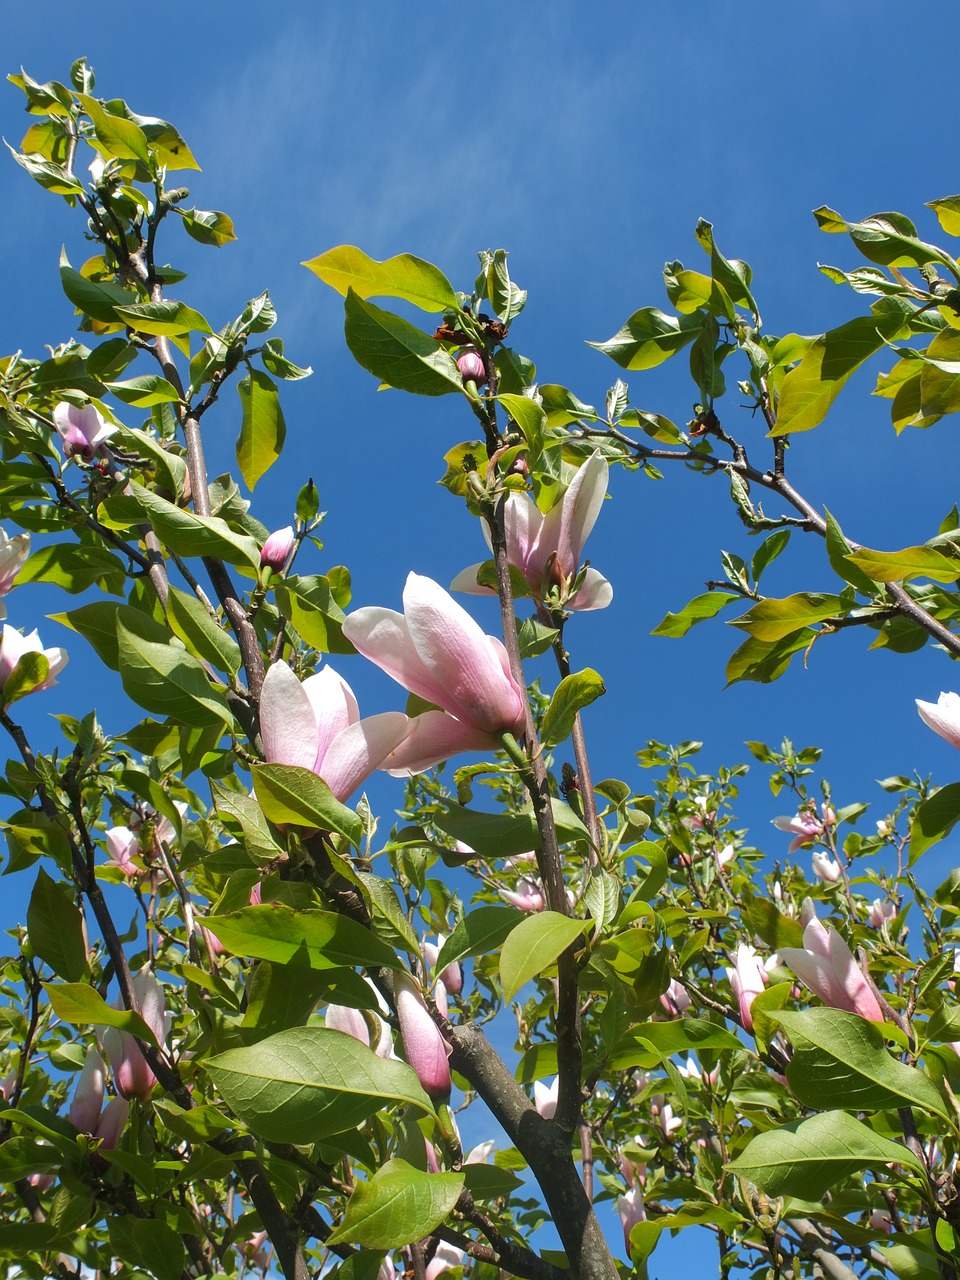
<point x="265" y="1068"/>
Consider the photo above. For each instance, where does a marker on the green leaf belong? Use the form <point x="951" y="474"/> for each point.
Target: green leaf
<point x="491" y="834"/>
<point x="74" y="567"/>
<point x="347" y="268"/>
<point x="911" y="562"/>
<point x="533" y="945"/>
<point x="838" y="553"/>
<point x="262" y="429"/>
<point x="148" y="1244"/>
<point x="208" y="226"/>
<point x="30" y="673"/>
<point x="144" y="391"/>
<point x="529" y="417"/>
<point x="163" y="678"/>
<point x="306" y="1083"/>
<point x="573" y="693"/>
<point x="97" y="300"/>
<point x="947" y="210"/>
<point x="480" y="932"/>
<point x="242" y="810"/>
<point x="397" y="1205"/>
<point x="809" y="389"/>
<point x="309" y="938"/>
<point x="840" y="1060"/>
<point x="648" y="338"/>
<point x="275" y="362"/>
<point x="401" y="355"/>
<point x="191" y="621"/>
<point x="681" y="1035"/>
<point x="164" y="319"/>
<point x="889" y="239"/>
<point x="83" y="1006"/>
<point x="191" y="535"/>
<point x="97" y="623"/>
<point x="289" y="794"/>
<point x="119" y="137"/>
<point x="934" y="818"/>
<point x="772" y="620"/>
<point x="700" y="607"/>
<point x="765" y="662"/>
<point x="55" y="927"/>
<point x="280" y="996"/>
<point x="310" y="604"/>
<point x="808" y="1157"/>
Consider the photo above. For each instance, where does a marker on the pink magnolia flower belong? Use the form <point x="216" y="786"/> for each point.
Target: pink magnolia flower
<point x="675" y="999"/>
<point x="747" y="979"/>
<point x="316" y="724"/>
<point x="471" y="366"/>
<point x="806" y="827"/>
<point x="880" y="912"/>
<point x="545" y="1097"/>
<point x="437" y="651"/>
<point x="451" y="978"/>
<point x="252" y="1250"/>
<point x="692" y="1071"/>
<point x="631" y="1210"/>
<point x="446" y="1258"/>
<point x="825" y="867"/>
<point x="112" y="1120"/>
<point x="83" y="431"/>
<point x="131" y="1073"/>
<point x="425" y="1048"/>
<point x="668" y="1122"/>
<point x="633" y="1171"/>
<point x="481" y="1153"/>
<point x="547" y="549"/>
<point x="526" y="895"/>
<point x="826" y="967"/>
<point x="88" y="1096"/>
<point x="943" y="716"/>
<point x="123" y="845"/>
<point x="13" y="553"/>
<point x="275" y="552"/>
<point x="14" y="645"/>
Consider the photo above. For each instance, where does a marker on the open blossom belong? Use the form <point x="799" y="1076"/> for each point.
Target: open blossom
<point x="83" y="431"/>
<point x="545" y="1097"/>
<point x="131" y="1072"/>
<point x="436" y="651"/>
<point x="526" y="895"/>
<point x="275" y="552"/>
<point x="446" y="1258"/>
<point x="14" y="645"/>
<point x="123" y="845"/>
<point x="806" y="827"/>
<point x="827" y="967"/>
<point x="424" y="1046"/>
<point x="316" y="724"/>
<point x="546" y="550"/>
<point x="13" y="553"/>
<point x="943" y="716"/>
<point x="747" y="979"/>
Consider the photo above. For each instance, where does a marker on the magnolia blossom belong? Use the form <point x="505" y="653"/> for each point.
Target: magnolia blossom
<point x="691" y="1071"/>
<point x="252" y="1250"/>
<point x="726" y="855"/>
<point x="481" y="1153"/>
<point x="826" y="966"/>
<point x="631" y="1211"/>
<point x="83" y="431"/>
<point x="747" y="979"/>
<point x="436" y="651"/>
<point x="451" y="977"/>
<point x="826" y="867"/>
<point x="545" y="1097"/>
<point x="526" y="895"/>
<point x="14" y="645"/>
<point x="85" y="1109"/>
<point x="943" y="716"/>
<point x="275" y="552"/>
<point x="316" y="724"/>
<point x="634" y="1171"/>
<point x="471" y="366"/>
<point x="806" y="828"/>
<point x="446" y="1258"/>
<point x="675" y="999"/>
<point x="667" y="1121"/>
<point x="13" y="553"/>
<point x="131" y="1072"/>
<point x="424" y="1046"/>
<point x="880" y="912"/>
<point x="123" y="845"/>
<point x="546" y="550"/>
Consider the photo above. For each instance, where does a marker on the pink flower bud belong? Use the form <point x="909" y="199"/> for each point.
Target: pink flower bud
<point x="880" y="912"/>
<point x="826" y="867"/>
<point x="747" y="979"/>
<point x="424" y="1046"/>
<point x="527" y="896"/>
<point x="115" y="1116"/>
<point x="88" y="1097"/>
<point x="631" y="1210"/>
<point x="471" y="366"/>
<point x="131" y="1073"/>
<point x="675" y="999"/>
<point x="275" y="552"/>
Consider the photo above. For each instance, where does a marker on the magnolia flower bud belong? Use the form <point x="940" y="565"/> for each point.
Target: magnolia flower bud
<point x="88" y="1097"/>
<point x="424" y="1046"/>
<point x="275" y="552"/>
<point x="471" y="366"/>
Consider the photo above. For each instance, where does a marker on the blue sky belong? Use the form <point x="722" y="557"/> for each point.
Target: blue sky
<point x="587" y="145"/>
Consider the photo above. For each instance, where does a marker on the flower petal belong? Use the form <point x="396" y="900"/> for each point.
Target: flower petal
<point x="943" y="716"/>
<point x="334" y="708"/>
<point x="432" y="737"/>
<point x="466" y="581"/>
<point x="596" y="592"/>
<point x="359" y="749"/>
<point x="288" y="725"/>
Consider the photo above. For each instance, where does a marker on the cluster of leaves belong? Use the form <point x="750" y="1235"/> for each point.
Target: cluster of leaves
<point x="801" y="1136"/>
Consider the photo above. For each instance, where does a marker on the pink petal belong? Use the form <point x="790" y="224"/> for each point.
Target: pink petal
<point x="432" y="737"/>
<point x="466" y="581"/>
<point x="288" y="725"/>
<point x="359" y="749"/>
<point x="943" y="716"/>
<point x="334" y="708"/>
<point x="595" y="593"/>
<point x="567" y="525"/>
